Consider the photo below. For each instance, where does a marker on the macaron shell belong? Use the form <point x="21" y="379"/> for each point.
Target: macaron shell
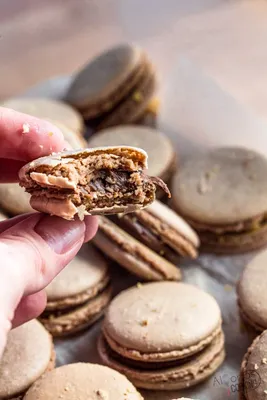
<point x="252" y="293"/>
<point x="208" y="179"/>
<point x="74" y="139"/>
<point x="14" y="200"/>
<point x="48" y="109"/>
<point x="254" y="370"/>
<point x="83" y="382"/>
<point x="97" y="80"/>
<point x="84" y="272"/>
<point x="174" y="378"/>
<point x="131" y="254"/>
<point x="25" y="359"/>
<point x="156" y="144"/>
<point x="81" y="317"/>
<point x="148" y="310"/>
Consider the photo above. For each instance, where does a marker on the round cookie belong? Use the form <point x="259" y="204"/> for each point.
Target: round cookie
<point x="28" y="354"/>
<point x="156" y="144"/>
<point x="131" y="254"/>
<point x="43" y="108"/>
<point x="83" y="381"/>
<point x="227" y="188"/>
<point x="77" y="297"/>
<point x="252" y="296"/>
<point x="53" y="88"/>
<point x="74" y="139"/>
<point x="14" y="200"/>
<point x="115" y="87"/>
<point x="162" y="230"/>
<point x="135" y="340"/>
<point x="253" y="373"/>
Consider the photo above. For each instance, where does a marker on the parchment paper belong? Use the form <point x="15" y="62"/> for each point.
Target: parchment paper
<point x="214" y="93"/>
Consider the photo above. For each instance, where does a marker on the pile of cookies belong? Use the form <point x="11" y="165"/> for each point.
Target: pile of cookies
<point x="161" y="333"/>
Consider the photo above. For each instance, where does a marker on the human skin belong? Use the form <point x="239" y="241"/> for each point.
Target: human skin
<point x="33" y="247"/>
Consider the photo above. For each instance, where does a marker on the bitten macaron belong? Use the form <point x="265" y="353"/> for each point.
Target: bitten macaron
<point x="115" y="87"/>
<point x="253" y="373"/>
<point x="29" y="353"/>
<point x="156" y="144"/>
<point x="83" y="381"/>
<point x="222" y="194"/>
<point x="131" y="254"/>
<point x="163" y="335"/>
<point x="77" y="297"/>
<point x="252" y="294"/>
<point x="162" y="230"/>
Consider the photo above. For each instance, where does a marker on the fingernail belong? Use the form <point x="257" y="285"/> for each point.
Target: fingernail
<point x="61" y="235"/>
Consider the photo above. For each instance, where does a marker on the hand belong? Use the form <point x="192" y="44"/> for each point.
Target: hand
<point x="33" y="247"/>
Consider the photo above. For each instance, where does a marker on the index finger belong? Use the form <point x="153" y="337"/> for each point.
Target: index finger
<point x="24" y="138"/>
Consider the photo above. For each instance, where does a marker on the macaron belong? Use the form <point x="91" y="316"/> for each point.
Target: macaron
<point x="162" y="230"/>
<point x="48" y="109"/>
<point x="252" y="296"/>
<point x="157" y="145"/>
<point x="253" y="373"/>
<point x="131" y="254"/>
<point x="74" y="139"/>
<point x="163" y="335"/>
<point x="115" y="87"/>
<point x="222" y="194"/>
<point x="84" y="382"/>
<point x="14" y="200"/>
<point x="77" y="297"/>
<point x="29" y="353"/>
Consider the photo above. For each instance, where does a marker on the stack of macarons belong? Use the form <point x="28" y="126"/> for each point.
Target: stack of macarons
<point x="163" y="335"/>
<point x="77" y="297"/>
<point x="114" y="88"/>
<point x="222" y="194"/>
<point x="29" y="353"/>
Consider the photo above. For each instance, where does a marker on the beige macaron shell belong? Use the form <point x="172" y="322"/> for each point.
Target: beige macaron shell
<point x="156" y="144"/>
<point x="84" y="272"/>
<point x="252" y="292"/>
<point x="83" y="381"/>
<point x="169" y="217"/>
<point x="254" y="370"/>
<point x="98" y="79"/>
<point x="14" y="199"/>
<point x="225" y="186"/>
<point x="25" y="359"/>
<point x="48" y="109"/>
<point x="74" y="139"/>
<point x="190" y="314"/>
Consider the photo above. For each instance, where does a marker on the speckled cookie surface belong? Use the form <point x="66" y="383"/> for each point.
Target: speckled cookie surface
<point x="25" y="359"/>
<point x="47" y="109"/>
<point x="146" y="311"/>
<point x="252" y="294"/>
<point x="13" y="199"/>
<point x="83" y="382"/>
<point x="225" y="186"/>
<point x="84" y="272"/>
<point x="156" y="144"/>
<point x="253" y="377"/>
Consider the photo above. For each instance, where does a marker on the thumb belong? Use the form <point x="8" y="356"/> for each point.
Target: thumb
<point x="33" y="251"/>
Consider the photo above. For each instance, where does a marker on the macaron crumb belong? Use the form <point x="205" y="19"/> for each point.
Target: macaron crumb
<point x="139" y="285"/>
<point x="144" y="322"/>
<point x="102" y="394"/>
<point x="25" y="128"/>
<point x="256" y="367"/>
<point x="137" y="96"/>
<point x="264" y="361"/>
<point x="50" y="134"/>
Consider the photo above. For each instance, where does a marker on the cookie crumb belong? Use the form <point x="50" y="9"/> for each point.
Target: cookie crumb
<point x="50" y="134"/>
<point x="265" y="391"/>
<point x="82" y="212"/>
<point x="153" y="106"/>
<point x="25" y="128"/>
<point x="139" y="285"/>
<point x="144" y="322"/>
<point x="264" y="361"/>
<point x="256" y="367"/>
<point x="102" y="394"/>
<point x="41" y="146"/>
